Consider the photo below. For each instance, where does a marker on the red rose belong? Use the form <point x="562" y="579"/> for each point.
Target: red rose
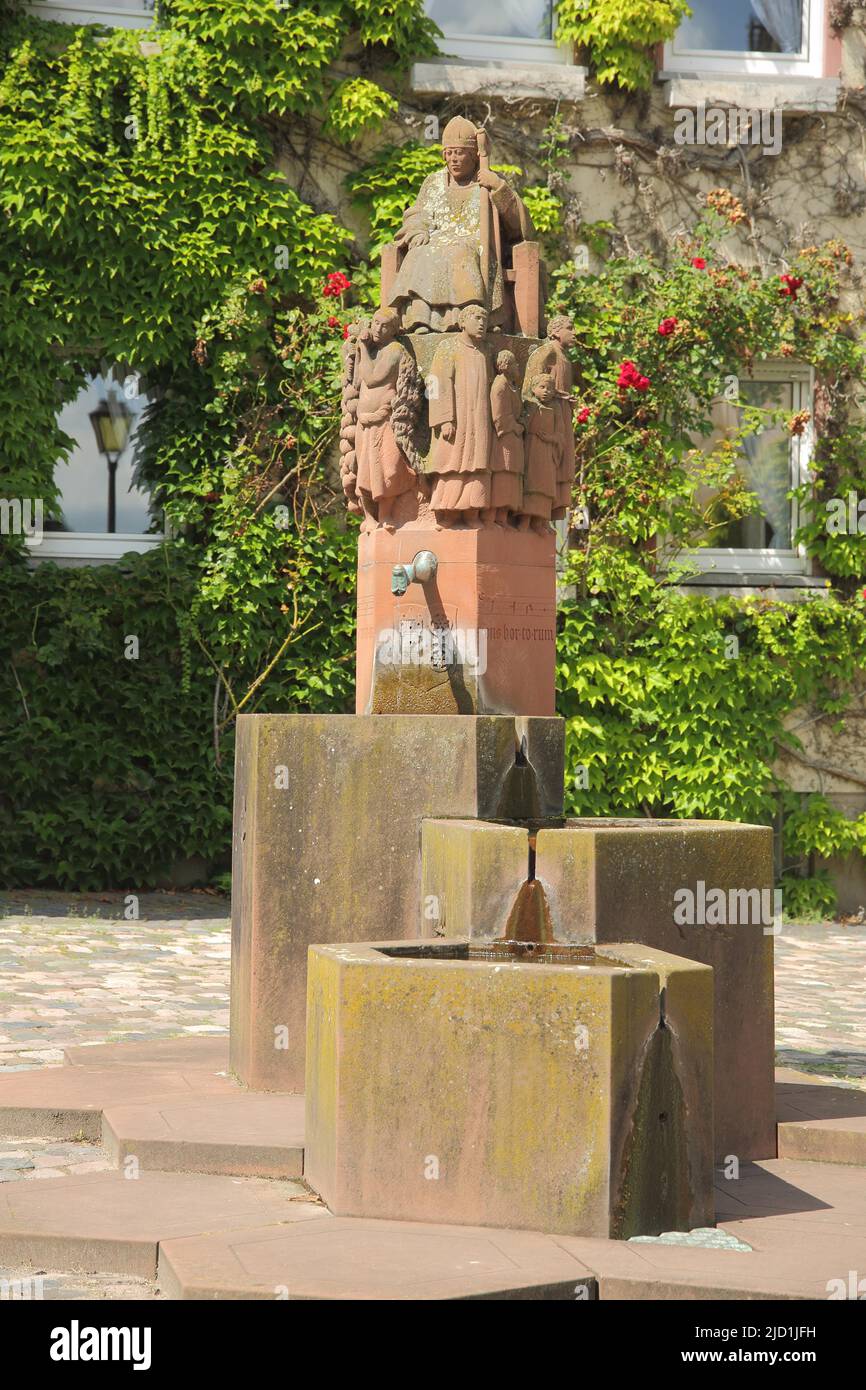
<point x="333" y="322"/>
<point x="667" y="327"/>
<point x="336" y="284"/>
<point x="699" y="263"/>
<point x="790" y="285"/>
<point x="345" y="330"/>
<point x="583" y="415"/>
<point x="629" y="376"/>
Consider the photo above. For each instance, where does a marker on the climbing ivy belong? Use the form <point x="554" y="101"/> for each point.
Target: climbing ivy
<point x="144" y="228"/>
<point x="618" y="38"/>
<point x="144" y="225"/>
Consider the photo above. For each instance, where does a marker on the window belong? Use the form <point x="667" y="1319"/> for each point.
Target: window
<point x="114" y="14"/>
<point x="749" y="38"/>
<point x="492" y="30"/>
<point x="105" y="512"/>
<point x="773" y="462"/>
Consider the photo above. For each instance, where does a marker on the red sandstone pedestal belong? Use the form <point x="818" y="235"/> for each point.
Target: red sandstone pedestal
<point x="477" y="638"/>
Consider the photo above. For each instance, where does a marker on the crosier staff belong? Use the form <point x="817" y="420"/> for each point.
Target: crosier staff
<point x="488" y="212"/>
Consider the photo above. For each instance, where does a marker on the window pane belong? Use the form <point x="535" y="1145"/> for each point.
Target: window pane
<point x="742" y="26"/>
<point x="765" y="469"/>
<point x="505" y="19"/>
<point x="83" y="481"/>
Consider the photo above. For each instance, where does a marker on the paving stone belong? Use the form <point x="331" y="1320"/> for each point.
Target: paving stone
<point x="67" y="1102"/>
<point x="106" y="1223"/>
<point x="242" y="1135"/>
<point x="356" y="1259"/>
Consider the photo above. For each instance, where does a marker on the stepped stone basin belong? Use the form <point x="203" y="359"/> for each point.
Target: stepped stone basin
<point x="599" y="880"/>
<point x="536" y="1085"/>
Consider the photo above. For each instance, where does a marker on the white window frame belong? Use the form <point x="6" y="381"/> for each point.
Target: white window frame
<point x="731" y="559"/>
<point x="92" y="547"/>
<point x="810" y="63"/>
<point x="98" y="12"/>
<point x="89" y="547"/>
<point x="484" y="50"/>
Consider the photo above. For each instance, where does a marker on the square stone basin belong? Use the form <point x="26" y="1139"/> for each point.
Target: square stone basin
<point x="543" y="1086"/>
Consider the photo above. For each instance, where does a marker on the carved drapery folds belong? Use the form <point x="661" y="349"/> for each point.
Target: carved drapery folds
<point x="452" y="403"/>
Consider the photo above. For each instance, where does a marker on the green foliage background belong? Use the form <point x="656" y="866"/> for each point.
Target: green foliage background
<point x="143" y="226"/>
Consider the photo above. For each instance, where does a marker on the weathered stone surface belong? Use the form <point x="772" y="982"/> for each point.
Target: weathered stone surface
<point x="609" y="880"/>
<point x="471" y="874"/>
<point x="327" y="845"/>
<point x="556" y="1097"/>
<point x="545" y="81"/>
<point x="494" y="590"/>
<point x="790" y="95"/>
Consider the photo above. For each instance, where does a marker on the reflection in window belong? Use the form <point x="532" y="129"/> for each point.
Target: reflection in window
<point x="766" y="469"/>
<point x="97" y="483"/>
<point x="742" y="26"/>
<point x="507" y="19"/>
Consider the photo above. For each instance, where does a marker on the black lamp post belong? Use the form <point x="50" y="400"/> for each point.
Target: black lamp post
<point x="110" y="421"/>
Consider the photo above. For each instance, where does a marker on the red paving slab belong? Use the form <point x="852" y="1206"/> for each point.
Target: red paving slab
<point x="244" y="1135"/>
<point x="209" y="1054"/>
<point x="67" y="1102"/>
<point x="352" y="1258"/>
<point x="110" y="1224"/>
<point x="806" y="1224"/>
<point x="820" y="1122"/>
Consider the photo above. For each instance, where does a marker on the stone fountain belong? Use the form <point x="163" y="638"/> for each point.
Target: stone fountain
<point x="505" y="1021"/>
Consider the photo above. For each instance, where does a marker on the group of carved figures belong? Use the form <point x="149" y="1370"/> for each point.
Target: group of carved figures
<point x="497" y="455"/>
<point x="488" y="452"/>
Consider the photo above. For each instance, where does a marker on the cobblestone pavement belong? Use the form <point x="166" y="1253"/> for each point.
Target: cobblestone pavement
<point x="74" y="971"/>
<point x="821" y="1000"/>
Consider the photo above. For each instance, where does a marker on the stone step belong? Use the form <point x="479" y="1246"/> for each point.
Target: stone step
<point x="67" y="1102"/>
<point x="798" y="1229"/>
<point x="105" y="1223"/>
<point x="172" y="1105"/>
<point x="348" y="1258"/>
<point x="207" y="1054"/>
<point x="245" y="1135"/>
<point x="818" y="1121"/>
<point x="169" y="1104"/>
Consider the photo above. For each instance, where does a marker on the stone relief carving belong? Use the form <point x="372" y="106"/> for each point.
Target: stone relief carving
<point x="453" y="414"/>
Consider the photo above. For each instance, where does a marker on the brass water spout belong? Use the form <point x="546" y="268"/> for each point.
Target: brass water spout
<point x="421" y="570"/>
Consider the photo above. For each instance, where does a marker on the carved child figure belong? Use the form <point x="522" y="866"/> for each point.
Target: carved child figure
<point x="506" y="409"/>
<point x="542" y="456"/>
<point x="553" y="357"/>
<point x="387" y="377"/>
<point x="349" y="420"/>
<point x="459" y="395"/>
